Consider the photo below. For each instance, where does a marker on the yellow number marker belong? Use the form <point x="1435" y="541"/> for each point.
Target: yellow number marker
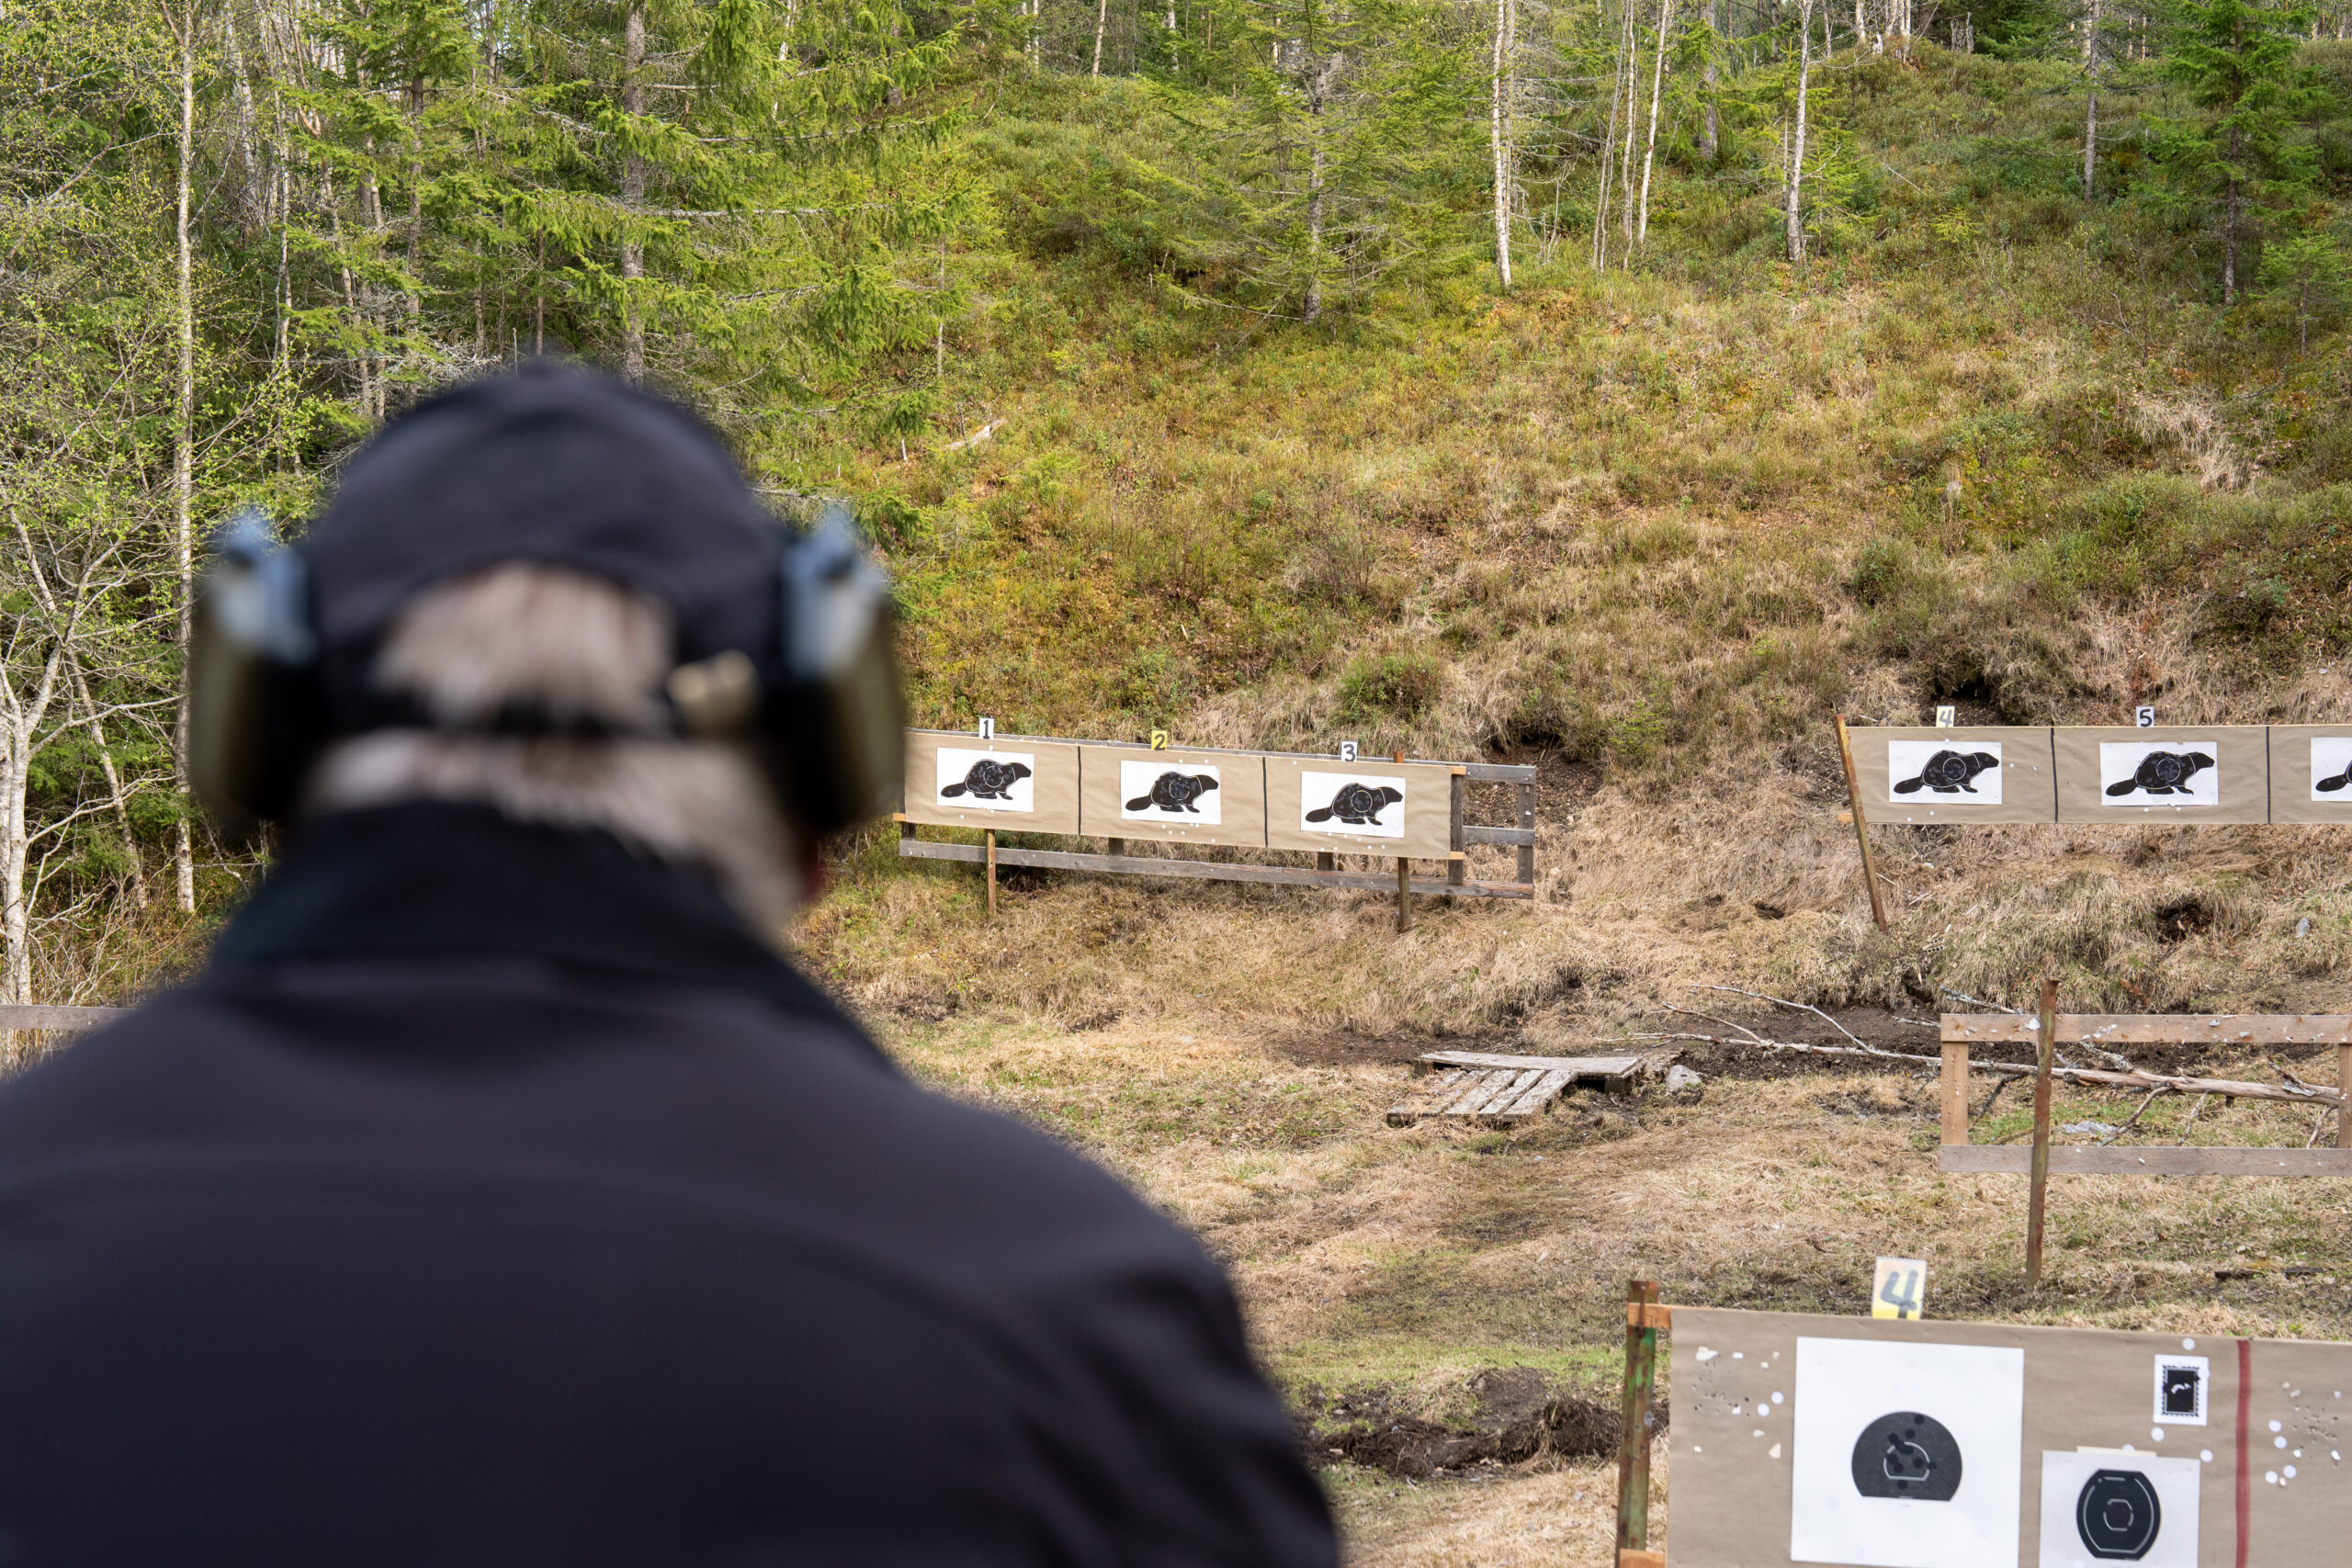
<point x="1900" y="1287"/>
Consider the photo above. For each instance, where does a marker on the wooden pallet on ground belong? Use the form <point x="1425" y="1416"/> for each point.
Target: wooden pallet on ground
<point x="1485" y="1087"/>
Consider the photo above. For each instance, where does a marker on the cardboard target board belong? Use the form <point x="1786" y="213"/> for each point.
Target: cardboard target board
<point x="1008" y="782"/>
<point x="1368" y="806"/>
<point x="2212" y="773"/>
<point x="1197" y="797"/>
<point x="1922" y="1444"/>
<point x="2311" y="773"/>
<point x="1962" y="773"/>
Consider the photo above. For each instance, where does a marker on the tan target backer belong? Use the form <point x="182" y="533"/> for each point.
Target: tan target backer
<point x="2172" y="774"/>
<point x="1960" y="773"/>
<point x="1008" y="783"/>
<point x="1367" y="806"/>
<point x="1177" y="797"/>
<point x="2311" y="773"/>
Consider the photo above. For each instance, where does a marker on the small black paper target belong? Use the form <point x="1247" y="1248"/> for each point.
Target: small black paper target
<point x="2117" y="1514"/>
<point x="1907" y="1454"/>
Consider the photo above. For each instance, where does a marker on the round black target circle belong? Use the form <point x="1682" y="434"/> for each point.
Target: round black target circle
<point x="1907" y="1454"/>
<point x="2117" y="1516"/>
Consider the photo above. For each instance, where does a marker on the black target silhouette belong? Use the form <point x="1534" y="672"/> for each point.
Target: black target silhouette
<point x="2331" y="785"/>
<point x="989" y="779"/>
<point x="1358" y="805"/>
<point x="1175" y="792"/>
<point x="1907" y="1454"/>
<point x="2117" y="1514"/>
<point x="1950" y="773"/>
<point x="2162" y="772"/>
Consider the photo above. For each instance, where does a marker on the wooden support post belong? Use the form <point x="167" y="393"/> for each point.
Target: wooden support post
<point x="1459" y="868"/>
<point x="1326" y="861"/>
<point x="1404" y="893"/>
<point x="1633" y="1433"/>
<point x="2041" y="1177"/>
<point x="1955" y="1086"/>
<point x="992" y="832"/>
<point x="1115" y="846"/>
<point x="1527" y="820"/>
<point x="1862" y="825"/>
<point x="2344" y="1082"/>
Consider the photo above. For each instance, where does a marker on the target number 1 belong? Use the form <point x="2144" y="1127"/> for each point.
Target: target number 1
<point x="1900" y="1289"/>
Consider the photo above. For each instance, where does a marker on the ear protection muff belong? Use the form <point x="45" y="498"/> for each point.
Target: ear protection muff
<point x="252" y="700"/>
<point x="823" y="711"/>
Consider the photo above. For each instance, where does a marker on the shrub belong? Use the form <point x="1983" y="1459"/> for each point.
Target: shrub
<point x="1400" y="684"/>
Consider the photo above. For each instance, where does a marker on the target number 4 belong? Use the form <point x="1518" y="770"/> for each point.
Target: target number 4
<point x="1899" y="1288"/>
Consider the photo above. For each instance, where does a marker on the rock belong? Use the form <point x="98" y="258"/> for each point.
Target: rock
<point x="1678" y="1076"/>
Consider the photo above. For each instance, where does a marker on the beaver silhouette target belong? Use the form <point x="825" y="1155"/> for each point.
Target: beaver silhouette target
<point x="2337" y="783"/>
<point x="2162" y="772"/>
<point x="988" y="779"/>
<point x="1950" y="773"/>
<point x="1175" y="792"/>
<point x="1358" y="805"/>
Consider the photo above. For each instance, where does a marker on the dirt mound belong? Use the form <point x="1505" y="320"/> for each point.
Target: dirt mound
<point x="1513" y="1414"/>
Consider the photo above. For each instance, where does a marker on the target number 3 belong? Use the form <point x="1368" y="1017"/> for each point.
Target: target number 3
<point x="1899" y="1289"/>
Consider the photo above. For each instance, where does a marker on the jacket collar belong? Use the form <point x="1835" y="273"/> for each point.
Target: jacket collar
<point x="445" y="880"/>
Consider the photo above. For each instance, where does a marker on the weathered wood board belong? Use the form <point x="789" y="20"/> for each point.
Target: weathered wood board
<point x="1483" y="1086"/>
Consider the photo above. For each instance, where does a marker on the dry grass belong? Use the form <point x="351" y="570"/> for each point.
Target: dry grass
<point x="1408" y="1259"/>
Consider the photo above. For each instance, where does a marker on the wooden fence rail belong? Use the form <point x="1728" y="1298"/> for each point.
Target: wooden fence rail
<point x="16" y="1015"/>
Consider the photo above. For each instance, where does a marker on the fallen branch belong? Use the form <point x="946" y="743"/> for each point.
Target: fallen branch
<point x="2160" y="1089"/>
<point x="2300" y="1094"/>
<point x="1800" y="1006"/>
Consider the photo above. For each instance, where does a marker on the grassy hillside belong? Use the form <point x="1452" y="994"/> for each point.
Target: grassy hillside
<point x="1995" y="448"/>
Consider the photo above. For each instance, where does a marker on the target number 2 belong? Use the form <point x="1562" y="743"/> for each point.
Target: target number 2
<point x="1900" y="1287"/>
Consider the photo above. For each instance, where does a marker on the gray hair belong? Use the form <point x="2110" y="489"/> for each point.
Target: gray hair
<point x="575" y="648"/>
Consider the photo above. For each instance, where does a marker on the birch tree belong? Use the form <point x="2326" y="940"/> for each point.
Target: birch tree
<point x="1500" y="130"/>
<point x="1796" y="139"/>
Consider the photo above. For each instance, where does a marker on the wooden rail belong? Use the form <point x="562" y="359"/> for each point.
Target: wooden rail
<point x="16" y="1015"/>
<point x="1325" y="872"/>
<point x="1960" y="1030"/>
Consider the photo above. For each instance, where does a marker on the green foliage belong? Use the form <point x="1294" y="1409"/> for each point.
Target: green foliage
<point x="1398" y="684"/>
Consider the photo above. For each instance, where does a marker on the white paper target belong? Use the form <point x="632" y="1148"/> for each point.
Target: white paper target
<point x="1354" y="804"/>
<point x="2331" y="768"/>
<point x="2182" y="1385"/>
<point x="1967" y="773"/>
<point x="2159" y="773"/>
<point x="987" y="781"/>
<point x="1907" y="1456"/>
<point x="2106" y="1506"/>
<point x="1165" y="791"/>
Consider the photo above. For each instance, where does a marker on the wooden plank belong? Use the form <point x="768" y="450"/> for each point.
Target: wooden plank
<point x="1495" y="773"/>
<point x="2156" y="1028"/>
<point x="20" y="1016"/>
<point x="1508" y="1096"/>
<point x="1459" y="871"/>
<point x="1955" y="1092"/>
<point x="1212" y="871"/>
<point x="1471" y="833"/>
<point x="1577" y="1067"/>
<point x="1479" y="1089"/>
<point x="2016" y="1159"/>
<point x="1538" y="1095"/>
<point x="1429" y="1100"/>
<point x="1527" y="826"/>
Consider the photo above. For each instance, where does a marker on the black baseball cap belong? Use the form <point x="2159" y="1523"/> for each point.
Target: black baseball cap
<point x="560" y="466"/>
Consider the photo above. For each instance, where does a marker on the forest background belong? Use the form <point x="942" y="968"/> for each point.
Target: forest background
<point x="1632" y="382"/>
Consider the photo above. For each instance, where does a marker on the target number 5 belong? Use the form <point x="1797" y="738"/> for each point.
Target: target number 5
<point x="1900" y="1287"/>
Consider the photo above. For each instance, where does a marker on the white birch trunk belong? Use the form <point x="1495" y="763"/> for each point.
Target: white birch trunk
<point x="1499" y="137"/>
<point x="1649" y="148"/>
<point x="1796" y="140"/>
<point x="2090" y="106"/>
<point x="182" y="478"/>
<point x="632" y="194"/>
<point x="1101" y="22"/>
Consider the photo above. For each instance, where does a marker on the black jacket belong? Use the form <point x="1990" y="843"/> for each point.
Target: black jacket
<point x="496" y="1198"/>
